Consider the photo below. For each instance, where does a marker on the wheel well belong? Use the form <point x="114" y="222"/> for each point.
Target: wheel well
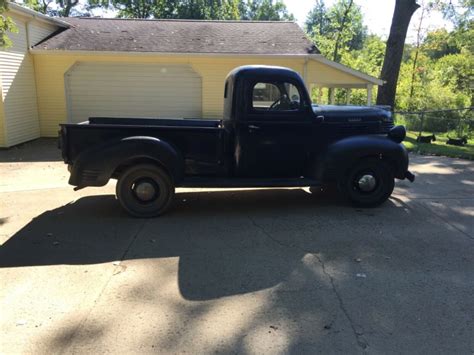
<point x="392" y="163"/>
<point x="135" y="161"/>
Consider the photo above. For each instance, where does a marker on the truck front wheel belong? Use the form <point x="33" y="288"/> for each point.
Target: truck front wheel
<point x="145" y="190"/>
<point x="369" y="183"/>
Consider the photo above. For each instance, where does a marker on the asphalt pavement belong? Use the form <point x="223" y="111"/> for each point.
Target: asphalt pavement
<point x="226" y="271"/>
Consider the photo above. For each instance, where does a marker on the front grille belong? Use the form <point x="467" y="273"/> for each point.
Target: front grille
<point x="353" y="129"/>
<point x="386" y="126"/>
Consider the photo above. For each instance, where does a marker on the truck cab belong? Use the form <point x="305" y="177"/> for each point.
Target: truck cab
<point x="269" y="112"/>
<point x="270" y="135"/>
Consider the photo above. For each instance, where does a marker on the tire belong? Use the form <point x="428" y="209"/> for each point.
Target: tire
<point x="145" y="190"/>
<point x="369" y="183"/>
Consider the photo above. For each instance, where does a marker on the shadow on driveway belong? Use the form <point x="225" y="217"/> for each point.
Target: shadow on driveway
<point x="393" y="278"/>
<point x="38" y="150"/>
<point x="217" y="236"/>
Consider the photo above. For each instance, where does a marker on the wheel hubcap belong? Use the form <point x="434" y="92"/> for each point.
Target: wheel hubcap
<point x="145" y="191"/>
<point x="367" y="183"/>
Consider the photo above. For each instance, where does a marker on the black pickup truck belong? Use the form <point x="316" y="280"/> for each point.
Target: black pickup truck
<point x="270" y="136"/>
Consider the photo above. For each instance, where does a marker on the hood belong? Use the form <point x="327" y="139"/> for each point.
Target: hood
<point x="353" y="114"/>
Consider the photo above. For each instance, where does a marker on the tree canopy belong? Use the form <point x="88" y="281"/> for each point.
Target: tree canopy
<point x="336" y="29"/>
<point x="6" y="25"/>
<point x="440" y="76"/>
<point x="263" y="10"/>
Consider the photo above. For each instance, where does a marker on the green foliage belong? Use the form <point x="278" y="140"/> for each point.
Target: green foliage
<point x="202" y="9"/>
<point x="439" y="147"/>
<point x="317" y="20"/>
<point x="6" y="25"/>
<point x="208" y="10"/>
<point x="144" y="8"/>
<point x="64" y="8"/>
<point x="460" y="14"/>
<point x="441" y="77"/>
<point x="443" y="73"/>
<point x="170" y="9"/>
<point x="369" y="58"/>
<point x="439" y="43"/>
<point x="337" y="30"/>
<point x="265" y="10"/>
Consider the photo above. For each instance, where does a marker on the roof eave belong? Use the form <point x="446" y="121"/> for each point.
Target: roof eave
<point x="177" y="54"/>
<point x="15" y="8"/>
<point x="344" y="68"/>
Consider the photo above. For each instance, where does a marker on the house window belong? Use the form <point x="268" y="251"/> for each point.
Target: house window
<point x="278" y="96"/>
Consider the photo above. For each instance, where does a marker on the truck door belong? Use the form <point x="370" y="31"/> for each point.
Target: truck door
<point x="274" y="138"/>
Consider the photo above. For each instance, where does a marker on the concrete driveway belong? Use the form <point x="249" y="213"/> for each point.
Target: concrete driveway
<point x="256" y="271"/>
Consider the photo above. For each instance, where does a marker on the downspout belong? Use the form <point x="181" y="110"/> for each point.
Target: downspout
<point x="27" y="31"/>
<point x="3" y="126"/>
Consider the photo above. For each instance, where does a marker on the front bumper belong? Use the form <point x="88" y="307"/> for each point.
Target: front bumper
<point x="410" y="176"/>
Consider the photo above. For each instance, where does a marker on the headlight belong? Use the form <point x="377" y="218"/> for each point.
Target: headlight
<point x="388" y="118"/>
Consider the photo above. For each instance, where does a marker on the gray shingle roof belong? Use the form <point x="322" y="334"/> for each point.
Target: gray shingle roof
<point x="180" y="36"/>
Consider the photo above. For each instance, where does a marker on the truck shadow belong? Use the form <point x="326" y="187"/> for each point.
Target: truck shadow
<point x="227" y="242"/>
<point x="38" y="150"/>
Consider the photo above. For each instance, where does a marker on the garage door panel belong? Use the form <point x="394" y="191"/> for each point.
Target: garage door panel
<point x="132" y="90"/>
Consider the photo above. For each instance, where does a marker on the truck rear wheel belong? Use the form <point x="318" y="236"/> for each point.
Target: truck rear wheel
<point x="369" y="183"/>
<point x="145" y="190"/>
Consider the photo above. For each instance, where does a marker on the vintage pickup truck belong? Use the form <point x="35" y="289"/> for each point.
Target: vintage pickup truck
<point x="270" y="136"/>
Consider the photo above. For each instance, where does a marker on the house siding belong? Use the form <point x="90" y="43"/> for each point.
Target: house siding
<point x="323" y="75"/>
<point x="2" y="118"/>
<point x="50" y="70"/>
<point x="38" y="31"/>
<point x="20" y="119"/>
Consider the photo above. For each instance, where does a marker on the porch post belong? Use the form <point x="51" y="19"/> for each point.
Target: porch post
<point x="331" y="96"/>
<point x="348" y="96"/>
<point x="369" y="94"/>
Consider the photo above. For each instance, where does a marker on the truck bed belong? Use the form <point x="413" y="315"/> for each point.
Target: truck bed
<point x="198" y="140"/>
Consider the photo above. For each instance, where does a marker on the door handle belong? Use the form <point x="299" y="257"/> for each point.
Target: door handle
<point x="253" y="127"/>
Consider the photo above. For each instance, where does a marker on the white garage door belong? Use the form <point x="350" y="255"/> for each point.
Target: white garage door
<point x="132" y="90"/>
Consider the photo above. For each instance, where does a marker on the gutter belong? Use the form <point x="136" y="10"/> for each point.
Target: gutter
<point x="170" y="54"/>
<point x="24" y="11"/>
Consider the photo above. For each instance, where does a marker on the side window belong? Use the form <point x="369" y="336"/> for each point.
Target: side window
<point x="278" y="96"/>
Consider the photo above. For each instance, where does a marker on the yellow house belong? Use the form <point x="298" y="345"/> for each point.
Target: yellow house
<point x="65" y="70"/>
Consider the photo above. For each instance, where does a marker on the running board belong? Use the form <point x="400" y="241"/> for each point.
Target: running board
<point x="246" y="182"/>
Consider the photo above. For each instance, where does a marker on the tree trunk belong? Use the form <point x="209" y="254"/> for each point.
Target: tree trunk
<point x="404" y="10"/>
<point x="417" y="52"/>
<point x="69" y="4"/>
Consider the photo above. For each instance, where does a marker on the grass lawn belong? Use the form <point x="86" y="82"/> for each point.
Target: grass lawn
<point x="439" y="147"/>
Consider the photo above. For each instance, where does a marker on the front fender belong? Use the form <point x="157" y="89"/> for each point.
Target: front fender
<point x="95" y="166"/>
<point x="343" y="154"/>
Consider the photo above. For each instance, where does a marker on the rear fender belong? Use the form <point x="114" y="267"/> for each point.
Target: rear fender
<point x="95" y="166"/>
<point x="343" y="154"/>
